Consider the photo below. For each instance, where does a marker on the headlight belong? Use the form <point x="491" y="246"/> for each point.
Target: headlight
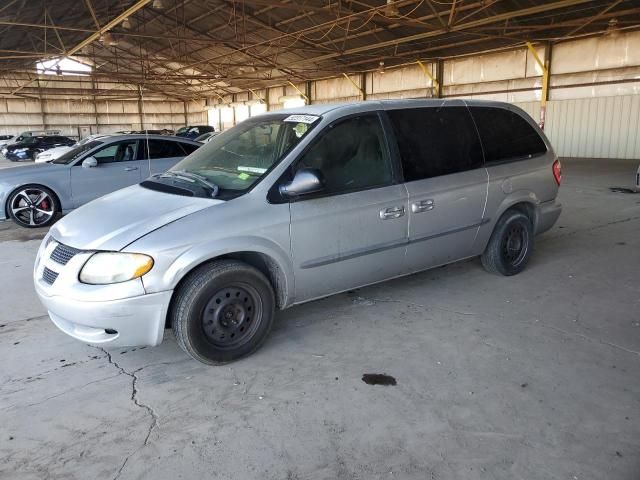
<point x="114" y="267"/>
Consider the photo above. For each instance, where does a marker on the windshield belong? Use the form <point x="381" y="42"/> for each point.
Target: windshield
<point x="182" y="130"/>
<point x="76" y="152"/>
<point x="236" y="159"/>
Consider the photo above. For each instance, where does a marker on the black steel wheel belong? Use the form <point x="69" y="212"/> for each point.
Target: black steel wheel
<point x="32" y="206"/>
<point x="223" y="311"/>
<point x="510" y="246"/>
<point x="515" y="244"/>
<point x="229" y="318"/>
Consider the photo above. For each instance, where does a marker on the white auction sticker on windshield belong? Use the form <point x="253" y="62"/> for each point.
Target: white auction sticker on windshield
<point x="252" y="169"/>
<point x="301" y="118"/>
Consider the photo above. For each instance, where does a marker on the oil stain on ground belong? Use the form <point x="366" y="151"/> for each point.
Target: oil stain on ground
<point x="378" y="379"/>
<point x="622" y="190"/>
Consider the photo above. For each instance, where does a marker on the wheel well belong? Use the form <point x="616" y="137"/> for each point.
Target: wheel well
<point x="56" y="198"/>
<point x="526" y="208"/>
<point x="260" y="261"/>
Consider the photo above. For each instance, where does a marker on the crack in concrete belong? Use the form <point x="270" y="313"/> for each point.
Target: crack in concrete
<point x="360" y="299"/>
<point x="79" y="387"/>
<point x="38" y="317"/>
<point x="591" y="339"/>
<point x="134" y="399"/>
<point x="588" y="229"/>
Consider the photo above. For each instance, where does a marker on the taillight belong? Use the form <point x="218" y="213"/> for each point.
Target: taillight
<point x="557" y="171"/>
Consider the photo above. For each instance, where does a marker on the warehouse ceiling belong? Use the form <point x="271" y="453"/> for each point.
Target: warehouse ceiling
<point x="192" y="49"/>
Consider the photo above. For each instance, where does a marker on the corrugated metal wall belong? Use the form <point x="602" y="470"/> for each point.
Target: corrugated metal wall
<point x="593" y="110"/>
<point x="604" y="127"/>
<point x="102" y="116"/>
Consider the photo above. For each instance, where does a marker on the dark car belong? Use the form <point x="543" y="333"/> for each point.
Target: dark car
<point x="193" y="131"/>
<point x="29" y="147"/>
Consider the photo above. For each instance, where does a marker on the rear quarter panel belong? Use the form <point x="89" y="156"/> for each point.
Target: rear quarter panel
<point x="525" y="181"/>
<point x="528" y="181"/>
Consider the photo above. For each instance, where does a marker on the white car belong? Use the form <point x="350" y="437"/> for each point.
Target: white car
<point x="6" y="140"/>
<point x="52" y="154"/>
<point x="55" y="153"/>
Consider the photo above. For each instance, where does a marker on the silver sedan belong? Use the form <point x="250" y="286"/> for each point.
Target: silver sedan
<point x="32" y="195"/>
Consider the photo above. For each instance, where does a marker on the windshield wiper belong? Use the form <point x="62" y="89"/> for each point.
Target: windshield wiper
<point x="192" y="177"/>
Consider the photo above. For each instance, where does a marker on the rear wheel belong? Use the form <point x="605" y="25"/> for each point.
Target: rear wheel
<point x="32" y="206"/>
<point x="510" y="246"/>
<point x="222" y="312"/>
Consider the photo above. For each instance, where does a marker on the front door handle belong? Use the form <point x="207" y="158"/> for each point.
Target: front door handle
<point x="422" y="206"/>
<point x="391" y="212"/>
<point x="130" y="169"/>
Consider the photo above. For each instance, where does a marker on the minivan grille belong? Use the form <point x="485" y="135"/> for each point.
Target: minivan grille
<point x="62" y="254"/>
<point x="49" y="276"/>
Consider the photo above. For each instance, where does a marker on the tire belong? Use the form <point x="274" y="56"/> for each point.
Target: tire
<point x="222" y="312"/>
<point x="33" y="206"/>
<point x="510" y="246"/>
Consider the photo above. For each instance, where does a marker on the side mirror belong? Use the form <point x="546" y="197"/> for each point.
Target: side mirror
<point x="306" y="180"/>
<point x="89" y="162"/>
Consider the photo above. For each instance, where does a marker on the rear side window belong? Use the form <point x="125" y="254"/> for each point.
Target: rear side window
<point x="436" y="141"/>
<point x="506" y="135"/>
<point x="163" y="149"/>
<point x="188" y="148"/>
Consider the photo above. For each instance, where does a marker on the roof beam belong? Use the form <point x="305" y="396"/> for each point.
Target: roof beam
<point x="108" y="26"/>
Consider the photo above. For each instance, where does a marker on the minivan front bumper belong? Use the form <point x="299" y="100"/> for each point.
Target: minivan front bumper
<point x="119" y="314"/>
<point x="136" y="321"/>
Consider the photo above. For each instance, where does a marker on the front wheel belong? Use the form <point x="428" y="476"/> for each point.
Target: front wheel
<point x="32" y="206"/>
<point x="510" y="246"/>
<point x="222" y="312"/>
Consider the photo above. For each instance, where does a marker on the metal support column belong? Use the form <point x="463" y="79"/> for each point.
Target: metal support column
<point x="545" y="66"/>
<point x="42" y="109"/>
<point x="435" y="84"/>
<point x="307" y="91"/>
<point x="361" y="92"/>
<point x="302" y="94"/>
<point x="140" y="107"/>
<point x="94" y="87"/>
<point x="440" y="77"/>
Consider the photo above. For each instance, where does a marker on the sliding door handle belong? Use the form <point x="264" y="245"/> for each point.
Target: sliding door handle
<point x="391" y="212"/>
<point x="422" y="206"/>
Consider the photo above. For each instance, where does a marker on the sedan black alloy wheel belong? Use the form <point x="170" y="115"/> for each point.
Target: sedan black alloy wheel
<point x="32" y="207"/>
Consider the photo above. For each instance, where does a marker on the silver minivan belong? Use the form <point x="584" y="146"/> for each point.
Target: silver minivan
<point x="295" y="205"/>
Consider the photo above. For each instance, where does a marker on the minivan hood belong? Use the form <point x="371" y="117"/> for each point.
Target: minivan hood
<point x="114" y="221"/>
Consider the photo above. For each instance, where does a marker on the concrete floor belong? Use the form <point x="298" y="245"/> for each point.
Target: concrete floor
<point x="529" y="377"/>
